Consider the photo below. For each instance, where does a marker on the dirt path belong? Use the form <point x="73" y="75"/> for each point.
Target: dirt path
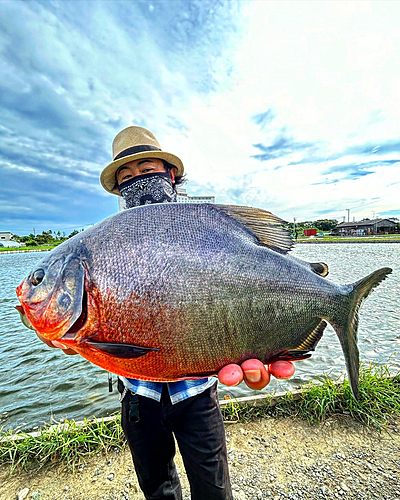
<point x="271" y="459"/>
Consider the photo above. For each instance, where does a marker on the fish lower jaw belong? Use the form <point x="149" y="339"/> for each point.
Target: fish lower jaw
<point x="69" y="336"/>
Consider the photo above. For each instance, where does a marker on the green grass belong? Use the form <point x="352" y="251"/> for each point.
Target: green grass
<point x="68" y="442"/>
<point x="23" y="249"/>
<point x="351" y="239"/>
<point x="379" y="400"/>
<point x="71" y="443"/>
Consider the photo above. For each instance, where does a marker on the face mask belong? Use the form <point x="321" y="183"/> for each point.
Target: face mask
<point x="148" y="188"/>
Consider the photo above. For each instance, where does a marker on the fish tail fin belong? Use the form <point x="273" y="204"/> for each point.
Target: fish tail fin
<point x="347" y="330"/>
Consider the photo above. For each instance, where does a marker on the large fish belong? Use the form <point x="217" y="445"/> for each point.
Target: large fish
<point x="173" y="291"/>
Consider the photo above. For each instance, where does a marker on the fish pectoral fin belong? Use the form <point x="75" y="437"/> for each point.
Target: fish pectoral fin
<point x="120" y="350"/>
<point x="320" y="268"/>
<point x="302" y="351"/>
<point x="266" y="226"/>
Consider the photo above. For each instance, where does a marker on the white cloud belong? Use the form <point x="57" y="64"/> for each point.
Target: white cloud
<point x="329" y="72"/>
<point x="196" y="76"/>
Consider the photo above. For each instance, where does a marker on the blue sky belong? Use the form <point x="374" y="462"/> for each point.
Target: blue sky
<point x="289" y="106"/>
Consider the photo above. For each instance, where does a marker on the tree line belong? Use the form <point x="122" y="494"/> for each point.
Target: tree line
<point x="326" y="225"/>
<point x="322" y="225"/>
<point x="45" y="238"/>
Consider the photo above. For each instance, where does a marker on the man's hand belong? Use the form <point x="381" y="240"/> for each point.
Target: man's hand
<point x="255" y="373"/>
<point x="56" y="344"/>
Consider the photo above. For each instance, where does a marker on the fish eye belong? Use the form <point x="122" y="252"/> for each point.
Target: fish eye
<point x="37" y="277"/>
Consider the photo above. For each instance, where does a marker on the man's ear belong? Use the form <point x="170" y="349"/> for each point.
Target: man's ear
<point x="172" y="173"/>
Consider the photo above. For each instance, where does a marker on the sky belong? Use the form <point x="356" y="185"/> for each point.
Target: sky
<point x="290" y="106"/>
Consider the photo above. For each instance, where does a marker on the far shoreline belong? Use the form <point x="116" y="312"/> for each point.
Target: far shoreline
<point x="301" y="242"/>
<point x="7" y="252"/>
<point x="313" y="242"/>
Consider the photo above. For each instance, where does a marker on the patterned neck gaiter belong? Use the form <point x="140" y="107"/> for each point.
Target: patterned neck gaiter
<point x="148" y="188"/>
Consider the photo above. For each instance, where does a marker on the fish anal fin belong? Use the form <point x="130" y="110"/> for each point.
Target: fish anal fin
<point x="302" y="351"/>
<point x="291" y="356"/>
<point x="126" y="351"/>
<point x="266" y="226"/>
<point x="311" y="341"/>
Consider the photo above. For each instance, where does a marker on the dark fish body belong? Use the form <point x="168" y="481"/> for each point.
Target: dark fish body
<point x="173" y="291"/>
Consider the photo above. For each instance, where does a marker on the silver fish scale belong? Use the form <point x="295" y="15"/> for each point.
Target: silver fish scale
<point x="225" y="291"/>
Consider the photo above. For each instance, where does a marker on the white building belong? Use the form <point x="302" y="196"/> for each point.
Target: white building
<point x="5" y="236"/>
<point x="121" y="204"/>
<point x="6" y="241"/>
<point x="10" y="244"/>
<point x="182" y="197"/>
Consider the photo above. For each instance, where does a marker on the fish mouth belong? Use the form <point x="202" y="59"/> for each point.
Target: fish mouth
<point x="24" y="317"/>
<point x="81" y="321"/>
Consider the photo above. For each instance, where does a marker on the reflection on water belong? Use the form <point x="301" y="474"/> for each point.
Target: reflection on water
<point x="38" y="383"/>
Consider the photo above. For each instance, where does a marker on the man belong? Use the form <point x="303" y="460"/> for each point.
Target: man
<point x="153" y="413"/>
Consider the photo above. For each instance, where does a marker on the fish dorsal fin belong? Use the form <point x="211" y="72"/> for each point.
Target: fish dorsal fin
<point x="266" y="226"/>
<point x="320" y="268"/>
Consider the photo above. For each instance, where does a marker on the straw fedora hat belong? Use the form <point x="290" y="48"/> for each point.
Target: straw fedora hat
<point x="134" y="143"/>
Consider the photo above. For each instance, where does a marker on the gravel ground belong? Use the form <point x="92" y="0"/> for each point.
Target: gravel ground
<point x="269" y="459"/>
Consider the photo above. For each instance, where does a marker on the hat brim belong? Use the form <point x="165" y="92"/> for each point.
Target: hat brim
<point x="107" y="176"/>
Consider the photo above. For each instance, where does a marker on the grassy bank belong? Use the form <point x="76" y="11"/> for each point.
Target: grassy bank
<point x="71" y="443"/>
<point x="379" y="399"/>
<point x="385" y="238"/>
<point x="67" y="442"/>
<point x="26" y="249"/>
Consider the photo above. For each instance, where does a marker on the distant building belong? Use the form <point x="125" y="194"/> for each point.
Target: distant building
<point x="5" y="236"/>
<point x="366" y="226"/>
<point x="182" y="197"/>
<point x="121" y="204"/>
<point x="6" y="241"/>
<point x="10" y="244"/>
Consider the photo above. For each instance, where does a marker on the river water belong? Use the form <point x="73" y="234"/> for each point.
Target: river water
<point x="39" y="385"/>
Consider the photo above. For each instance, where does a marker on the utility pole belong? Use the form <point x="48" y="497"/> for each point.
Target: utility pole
<point x="294" y="228"/>
<point x="348" y="214"/>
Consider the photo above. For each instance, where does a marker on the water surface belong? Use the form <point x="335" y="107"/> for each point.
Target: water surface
<point x="38" y="384"/>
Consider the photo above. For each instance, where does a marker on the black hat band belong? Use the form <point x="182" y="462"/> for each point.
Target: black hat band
<point x="134" y="150"/>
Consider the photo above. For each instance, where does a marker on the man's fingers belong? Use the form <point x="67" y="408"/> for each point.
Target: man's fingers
<point x="253" y="372"/>
<point x="256" y="374"/>
<point x="282" y="369"/>
<point x="230" y="375"/>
